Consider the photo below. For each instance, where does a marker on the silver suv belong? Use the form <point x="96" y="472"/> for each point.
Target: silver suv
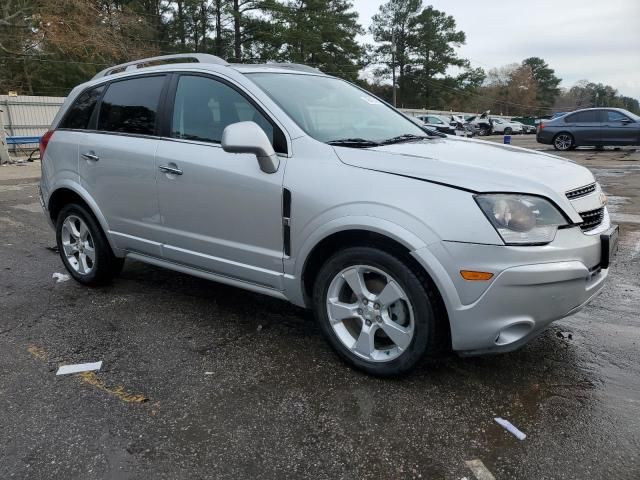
<point x="284" y="181"/>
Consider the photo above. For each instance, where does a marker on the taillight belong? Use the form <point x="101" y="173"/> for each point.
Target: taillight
<point x="44" y="141"/>
<point x="541" y="126"/>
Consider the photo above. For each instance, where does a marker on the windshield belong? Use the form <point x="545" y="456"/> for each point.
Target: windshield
<point x="330" y="110"/>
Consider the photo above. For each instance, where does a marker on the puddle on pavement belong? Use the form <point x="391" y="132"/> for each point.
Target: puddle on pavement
<point x="626" y="218"/>
<point x="11" y="188"/>
<point x="30" y="207"/>
<point x="615" y="201"/>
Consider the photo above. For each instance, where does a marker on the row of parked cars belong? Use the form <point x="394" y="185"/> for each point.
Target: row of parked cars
<point x="470" y="126"/>
<point x="596" y="127"/>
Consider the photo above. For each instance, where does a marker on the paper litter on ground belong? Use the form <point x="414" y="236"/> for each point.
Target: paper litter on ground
<point x="511" y="428"/>
<point x="60" y="277"/>
<point x="80" y="367"/>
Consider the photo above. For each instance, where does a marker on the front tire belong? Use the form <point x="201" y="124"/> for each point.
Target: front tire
<point x="374" y="311"/>
<point x="563" y="142"/>
<point x="83" y="247"/>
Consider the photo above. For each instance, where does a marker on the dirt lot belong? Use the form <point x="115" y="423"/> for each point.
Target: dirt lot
<point x="202" y="380"/>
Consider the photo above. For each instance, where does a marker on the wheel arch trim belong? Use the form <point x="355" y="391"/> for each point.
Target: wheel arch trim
<point x="294" y="270"/>
<point x="91" y="204"/>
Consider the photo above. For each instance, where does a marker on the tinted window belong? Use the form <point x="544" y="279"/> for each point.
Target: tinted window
<point x="204" y="107"/>
<point x="131" y="106"/>
<point x="79" y="114"/>
<point x="435" y="120"/>
<point x="583" y="117"/>
<point x="613" y="116"/>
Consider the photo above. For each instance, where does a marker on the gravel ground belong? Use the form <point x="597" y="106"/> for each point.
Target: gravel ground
<point x="202" y="380"/>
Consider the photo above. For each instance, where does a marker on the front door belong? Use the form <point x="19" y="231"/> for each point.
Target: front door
<point x="220" y="212"/>
<point x="117" y="162"/>
<point x="619" y="129"/>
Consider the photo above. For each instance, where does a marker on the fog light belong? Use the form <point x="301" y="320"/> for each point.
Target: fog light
<point x="476" y="276"/>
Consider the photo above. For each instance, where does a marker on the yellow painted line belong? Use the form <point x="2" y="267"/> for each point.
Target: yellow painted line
<point x="119" y="392"/>
<point x="37" y="352"/>
<point x="479" y="470"/>
<point x="90" y="378"/>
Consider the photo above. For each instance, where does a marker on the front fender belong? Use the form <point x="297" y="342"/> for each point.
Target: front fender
<point x="294" y="266"/>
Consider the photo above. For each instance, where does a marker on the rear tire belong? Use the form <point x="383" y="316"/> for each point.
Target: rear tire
<point x="386" y="323"/>
<point x="508" y="131"/>
<point x="83" y="247"/>
<point x="563" y="142"/>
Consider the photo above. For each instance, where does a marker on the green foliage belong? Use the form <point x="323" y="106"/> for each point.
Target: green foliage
<point x="320" y="33"/>
<point x="49" y="46"/>
<point x="546" y="81"/>
<point x="425" y="55"/>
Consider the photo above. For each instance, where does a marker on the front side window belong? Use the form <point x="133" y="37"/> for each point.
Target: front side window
<point x="131" y="106"/>
<point x="613" y="116"/>
<point x="329" y="109"/>
<point x="204" y="107"/>
<point x="79" y="114"/>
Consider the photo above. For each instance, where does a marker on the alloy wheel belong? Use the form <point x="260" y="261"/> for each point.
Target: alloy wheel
<point x="370" y="313"/>
<point x="78" y="245"/>
<point x="563" y="142"/>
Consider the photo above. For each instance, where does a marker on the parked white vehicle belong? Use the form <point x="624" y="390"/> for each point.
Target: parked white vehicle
<point x="506" y="127"/>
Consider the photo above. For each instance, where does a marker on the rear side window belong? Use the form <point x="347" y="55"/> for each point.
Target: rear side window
<point x="583" y="117"/>
<point x="131" y="106"/>
<point x="79" y="114"/>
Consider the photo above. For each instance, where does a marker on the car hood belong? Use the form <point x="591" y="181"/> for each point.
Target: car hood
<point x="476" y="165"/>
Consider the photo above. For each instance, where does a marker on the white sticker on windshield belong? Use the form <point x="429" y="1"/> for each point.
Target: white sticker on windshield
<point x="371" y="101"/>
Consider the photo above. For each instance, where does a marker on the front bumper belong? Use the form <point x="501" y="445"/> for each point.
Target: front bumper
<point x="531" y="287"/>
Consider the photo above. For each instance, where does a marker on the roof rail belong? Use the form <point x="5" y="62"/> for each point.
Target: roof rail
<point x="293" y="66"/>
<point x="198" y="57"/>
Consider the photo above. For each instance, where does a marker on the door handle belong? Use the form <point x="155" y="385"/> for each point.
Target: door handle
<point x="90" y="156"/>
<point x="170" y="170"/>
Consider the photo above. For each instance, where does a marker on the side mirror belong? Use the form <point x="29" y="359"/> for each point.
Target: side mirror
<point x="626" y="120"/>
<point x="248" y="137"/>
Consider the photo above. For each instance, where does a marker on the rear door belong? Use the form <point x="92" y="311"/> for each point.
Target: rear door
<point x="586" y="127"/>
<point x="220" y="212"/>
<point x="619" y="129"/>
<point x="117" y="161"/>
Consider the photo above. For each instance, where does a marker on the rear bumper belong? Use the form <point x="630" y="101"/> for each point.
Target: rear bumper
<point x="544" y="137"/>
<point x="531" y="287"/>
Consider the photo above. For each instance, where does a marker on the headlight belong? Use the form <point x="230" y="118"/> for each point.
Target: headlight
<point x="521" y="219"/>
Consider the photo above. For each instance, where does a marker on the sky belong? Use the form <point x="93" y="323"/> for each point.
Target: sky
<point x="580" y="39"/>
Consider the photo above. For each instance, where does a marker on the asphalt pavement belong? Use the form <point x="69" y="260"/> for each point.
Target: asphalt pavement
<point x="201" y="380"/>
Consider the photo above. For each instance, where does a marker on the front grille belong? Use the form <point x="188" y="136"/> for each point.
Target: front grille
<point x="591" y="219"/>
<point x="581" y="192"/>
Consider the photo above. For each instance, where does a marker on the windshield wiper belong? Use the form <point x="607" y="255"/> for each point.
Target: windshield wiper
<point x="354" y="143"/>
<point x="407" y="137"/>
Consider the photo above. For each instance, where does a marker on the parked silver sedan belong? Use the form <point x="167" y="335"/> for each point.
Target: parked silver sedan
<point x="288" y="182"/>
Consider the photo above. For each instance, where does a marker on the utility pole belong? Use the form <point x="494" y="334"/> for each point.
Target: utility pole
<point x="393" y="63"/>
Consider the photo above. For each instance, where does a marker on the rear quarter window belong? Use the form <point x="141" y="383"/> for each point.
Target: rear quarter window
<point x="79" y="114"/>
